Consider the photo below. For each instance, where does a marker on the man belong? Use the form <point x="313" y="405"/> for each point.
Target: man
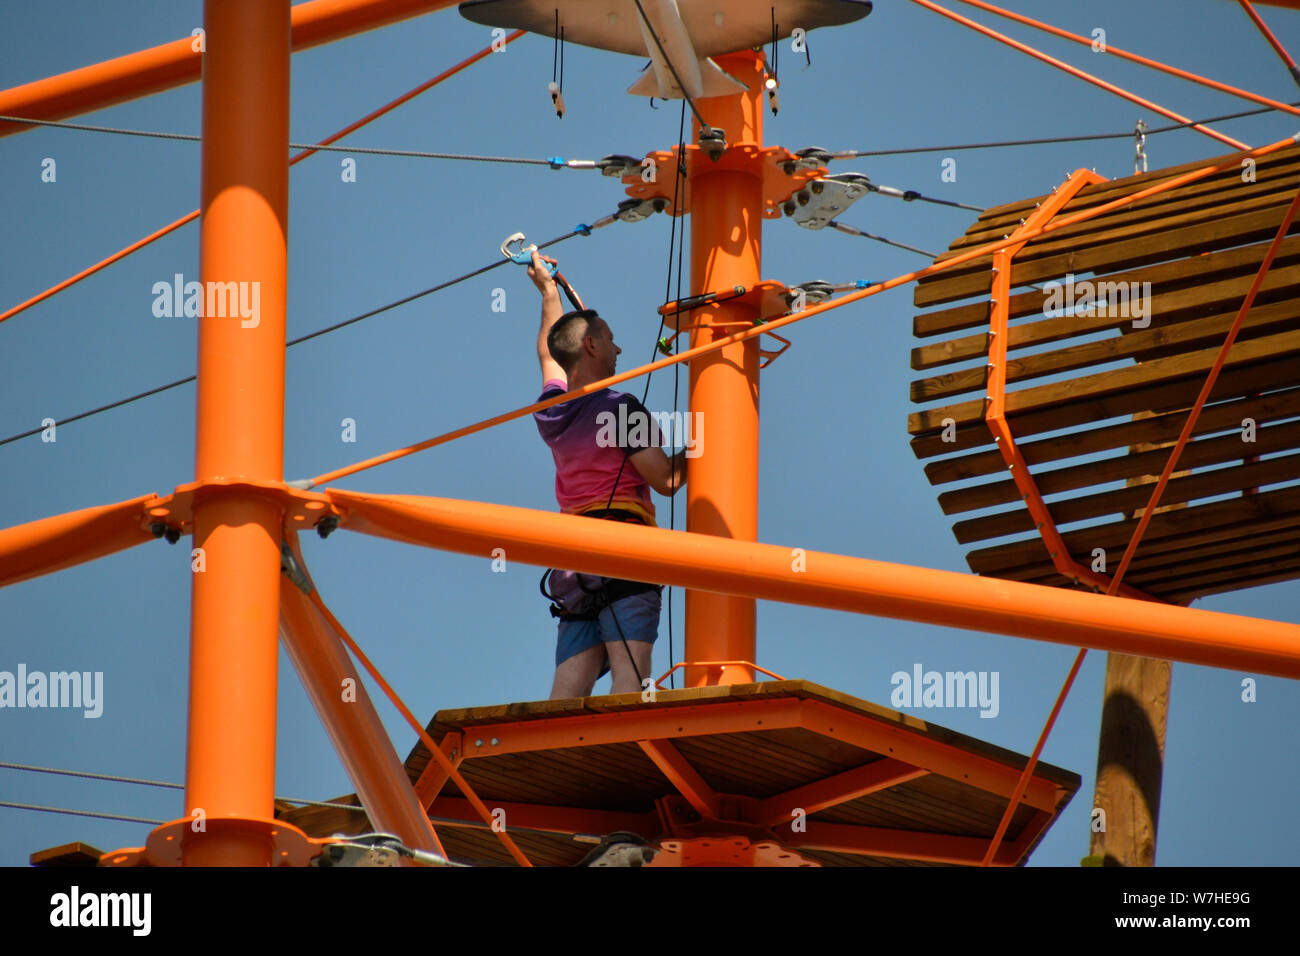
<point x="606" y="478"/>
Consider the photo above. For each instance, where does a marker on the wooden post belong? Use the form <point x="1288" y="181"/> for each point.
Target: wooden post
<point x="1130" y="760"/>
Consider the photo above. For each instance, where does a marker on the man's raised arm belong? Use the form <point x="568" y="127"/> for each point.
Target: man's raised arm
<point x="551" y="311"/>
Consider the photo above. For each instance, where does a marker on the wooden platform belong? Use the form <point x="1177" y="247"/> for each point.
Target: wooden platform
<point x="875" y="787"/>
<point x="1094" y="398"/>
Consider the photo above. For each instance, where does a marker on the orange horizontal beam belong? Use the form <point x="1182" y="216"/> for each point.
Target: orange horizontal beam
<point x="178" y="63"/>
<point x="63" y="541"/>
<point x="767" y="571"/>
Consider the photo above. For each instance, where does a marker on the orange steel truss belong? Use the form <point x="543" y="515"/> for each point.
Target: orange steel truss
<point x="702" y="823"/>
<point x="244" y="516"/>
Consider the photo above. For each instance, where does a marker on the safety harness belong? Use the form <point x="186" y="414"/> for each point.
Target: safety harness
<point x="581" y="597"/>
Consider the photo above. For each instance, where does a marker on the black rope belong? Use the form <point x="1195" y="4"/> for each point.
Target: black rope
<point x="304" y="338"/>
<point x="678" y="175"/>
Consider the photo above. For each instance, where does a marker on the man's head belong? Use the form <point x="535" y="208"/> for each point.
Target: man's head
<point x="583" y="340"/>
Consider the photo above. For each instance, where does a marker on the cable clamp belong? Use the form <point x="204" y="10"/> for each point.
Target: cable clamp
<point x="289" y="565"/>
<point x="582" y="229"/>
<point x="635" y="210"/>
<point x="810" y="157"/>
<point x="557" y="162"/>
<point x="815" y="206"/>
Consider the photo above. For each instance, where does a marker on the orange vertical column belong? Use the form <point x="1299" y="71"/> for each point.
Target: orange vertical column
<point x="726" y="251"/>
<point x="243" y="245"/>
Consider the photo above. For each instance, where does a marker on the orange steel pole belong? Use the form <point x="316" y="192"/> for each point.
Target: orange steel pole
<point x="179" y="62"/>
<point x="243" y="240"/>
<point x="722" y="486"/>
<point x="832" y="581"/>
<point x="297" y="158"/>
<point x="1080" y="74"/>
<point x="1112" y="50"/>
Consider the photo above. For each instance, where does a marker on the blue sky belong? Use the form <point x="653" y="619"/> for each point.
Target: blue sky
<point x="836" y="473"/>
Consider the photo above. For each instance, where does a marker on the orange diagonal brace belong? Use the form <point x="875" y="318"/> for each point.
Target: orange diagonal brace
<point x="1208" y="387"/>
<point x="683" y="776"/>
<point x="349" y="717"/>
<point x="1080" y="74"/>
<point x="1268" y="34"/>
<point x="1112" y="50"/>
<point x="840" y="788"/>
<point x="479" y="807"/>
<point x="62" y="541"/>
<point x="299" y="157"/>
<point x="179" y="62"/>
<point x="711" y="563"/>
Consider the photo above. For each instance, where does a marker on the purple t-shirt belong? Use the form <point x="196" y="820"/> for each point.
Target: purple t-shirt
<point x="588" y="436"/>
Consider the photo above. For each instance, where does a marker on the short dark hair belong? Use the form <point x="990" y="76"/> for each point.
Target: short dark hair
<point x="564" y="341"/>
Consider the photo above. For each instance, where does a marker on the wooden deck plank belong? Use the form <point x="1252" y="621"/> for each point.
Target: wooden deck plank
<point x="1181" y="237"/>
<point x="1212" y="521"/>
<point x="1122" y="391"/>
<point x="1197" y="454"/>
<point x="1222" y="416"/>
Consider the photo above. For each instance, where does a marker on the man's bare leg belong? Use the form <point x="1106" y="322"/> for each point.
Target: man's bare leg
<point x="625" y="679"/>
<point x="576" y="676"/>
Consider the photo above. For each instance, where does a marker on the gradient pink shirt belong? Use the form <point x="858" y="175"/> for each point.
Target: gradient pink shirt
<point x="584" y="471"/>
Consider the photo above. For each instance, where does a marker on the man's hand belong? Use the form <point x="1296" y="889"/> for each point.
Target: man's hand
<point x="541" y="275"/>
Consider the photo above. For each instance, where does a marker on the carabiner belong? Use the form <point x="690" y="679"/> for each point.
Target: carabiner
<point x="523" y="254"/>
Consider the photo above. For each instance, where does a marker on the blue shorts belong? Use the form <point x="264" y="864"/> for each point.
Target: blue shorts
<point x="637" y="614"/>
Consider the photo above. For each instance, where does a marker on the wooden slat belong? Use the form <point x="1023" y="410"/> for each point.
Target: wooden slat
<point x="1197" y="454"/>
<point x="1186" y="235"/>
<point x="1181" y="273"/>
<point x="1219" y="191"/>
<point x="1254" y="557"/>
<point x="1204" y="589"/>
<point x="1129" y="184"/>
<point x="1201" y="485"/>
<point x="1215" y="521"/>
<point x="1263" y="409"/>
<point x="1118" y="392"/>
<point x="1163" y="339"/>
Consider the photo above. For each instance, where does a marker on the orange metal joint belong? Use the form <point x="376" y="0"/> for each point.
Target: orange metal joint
<point x="718" y="665"/>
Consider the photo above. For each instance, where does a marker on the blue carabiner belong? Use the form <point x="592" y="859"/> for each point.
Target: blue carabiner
<point x="523" y="254"/>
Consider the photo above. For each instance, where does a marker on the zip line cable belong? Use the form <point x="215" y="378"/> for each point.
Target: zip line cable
<point x="855" y="153"/>
<point x="580" y="231"/>
<point x="334" y="137"/>
<point x="114" y="778"/>
<point x="678" y="176"/>
<point x="325" y="147"/>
